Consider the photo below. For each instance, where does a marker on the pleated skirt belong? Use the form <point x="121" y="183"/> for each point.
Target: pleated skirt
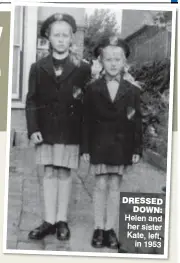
<point x="58" y="155"/>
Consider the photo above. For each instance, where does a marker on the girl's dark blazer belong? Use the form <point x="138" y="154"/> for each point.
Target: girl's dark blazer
<point x="112" y="131"/>
<point x="54" y="105"/>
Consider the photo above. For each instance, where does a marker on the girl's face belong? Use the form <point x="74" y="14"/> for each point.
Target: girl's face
<point x="113" y="60"/>
<point x="60" y="36"/>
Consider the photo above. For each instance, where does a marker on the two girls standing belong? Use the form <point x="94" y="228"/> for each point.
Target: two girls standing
<point x="110" y="122"/>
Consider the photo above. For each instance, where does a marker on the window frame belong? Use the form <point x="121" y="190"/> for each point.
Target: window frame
<point x="17" y="95"/>
<point x="29" y="42"/>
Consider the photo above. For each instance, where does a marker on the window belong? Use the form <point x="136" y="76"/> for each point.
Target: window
<point x="17" y="53"/>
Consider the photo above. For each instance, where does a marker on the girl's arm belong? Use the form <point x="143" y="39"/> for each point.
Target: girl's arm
<point x="31" y="107"/>
<point x="138" y="145"/>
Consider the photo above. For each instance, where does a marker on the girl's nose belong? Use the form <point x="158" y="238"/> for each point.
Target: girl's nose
<point x="113" y="63"/>
<point x="60" y="38"/>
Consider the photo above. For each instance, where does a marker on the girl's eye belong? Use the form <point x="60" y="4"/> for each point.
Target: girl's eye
<point x="58" y="35"/>
<point x="65" y="35"/>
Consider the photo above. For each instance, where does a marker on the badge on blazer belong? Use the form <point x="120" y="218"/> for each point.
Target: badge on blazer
<point x="130" y="113"/>
<point x="77" y="93"/>
<point x="58" y="71"/>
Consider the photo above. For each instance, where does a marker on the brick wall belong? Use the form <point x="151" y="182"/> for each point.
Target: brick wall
<point x="133" y="20"/>
<point x="150" y="45"/>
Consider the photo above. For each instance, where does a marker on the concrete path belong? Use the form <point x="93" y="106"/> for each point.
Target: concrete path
<point x="25" y="197"/>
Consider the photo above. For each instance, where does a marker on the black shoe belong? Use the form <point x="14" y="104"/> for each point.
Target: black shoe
<point x="43" y="230"/>
<point x="98" y="238"/>
<point x="63" y="232"/>
<point x="111" y="240"/>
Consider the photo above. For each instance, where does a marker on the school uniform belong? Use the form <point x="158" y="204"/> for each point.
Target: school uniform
<point x="112" y="130"/>
<point x="111" y="135"/>
<point x="54" y="107"/>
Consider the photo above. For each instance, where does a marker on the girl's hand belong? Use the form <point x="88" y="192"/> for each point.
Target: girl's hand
<point x="86" y="157"/>
<point x="135" y="158"/>
<point x="37" y="138"/>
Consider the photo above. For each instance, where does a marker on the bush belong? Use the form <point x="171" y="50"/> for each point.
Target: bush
<point x="154" y="103"/>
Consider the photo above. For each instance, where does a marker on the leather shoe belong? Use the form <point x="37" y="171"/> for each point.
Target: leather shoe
<point x="43" y="230"/>
<point x="98" y="238"/>
<point x="111" y="240"/>
<point x="63" y="232"/>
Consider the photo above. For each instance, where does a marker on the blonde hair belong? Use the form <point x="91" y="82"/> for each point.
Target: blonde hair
<point x="127" y="76"/>
<point x="74" y="54"/>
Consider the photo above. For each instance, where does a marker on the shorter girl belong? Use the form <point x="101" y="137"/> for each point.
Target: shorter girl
<point x="112" y="135"/>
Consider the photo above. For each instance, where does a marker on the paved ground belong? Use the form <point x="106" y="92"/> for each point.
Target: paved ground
<point x="25" y="196"/>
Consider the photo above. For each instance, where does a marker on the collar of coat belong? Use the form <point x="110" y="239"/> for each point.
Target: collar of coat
<point x="116" y="78"/>
<point x="68" y="68"/>
<point x="124" y="87"/>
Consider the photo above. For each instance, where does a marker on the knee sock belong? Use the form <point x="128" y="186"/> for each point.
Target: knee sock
<point x="113" y="202"/>
<point x="50" y="194"/>
<point x="100" y="201"/>
<point x="64" y="192"/>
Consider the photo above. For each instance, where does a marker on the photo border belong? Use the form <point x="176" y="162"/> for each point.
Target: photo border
<point x="158" y="7"/>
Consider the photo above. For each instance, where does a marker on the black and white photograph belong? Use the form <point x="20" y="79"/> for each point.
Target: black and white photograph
<point x="90" y="130"/>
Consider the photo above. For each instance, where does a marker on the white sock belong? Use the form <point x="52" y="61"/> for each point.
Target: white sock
<point x="113" y="202"/>
<point x="50" y="194"/>
<point x="64" y="192"/>
<point x="100" y="201"/>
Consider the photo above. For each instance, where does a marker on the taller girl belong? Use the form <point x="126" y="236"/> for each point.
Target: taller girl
<point x="54" y="111"/>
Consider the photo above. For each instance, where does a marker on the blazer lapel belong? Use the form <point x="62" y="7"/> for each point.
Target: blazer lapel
<point x="121" y="90"/>
<point x="103" y="89"/>
<point x="48" y="66"/>
<point x="67" y="69"/>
